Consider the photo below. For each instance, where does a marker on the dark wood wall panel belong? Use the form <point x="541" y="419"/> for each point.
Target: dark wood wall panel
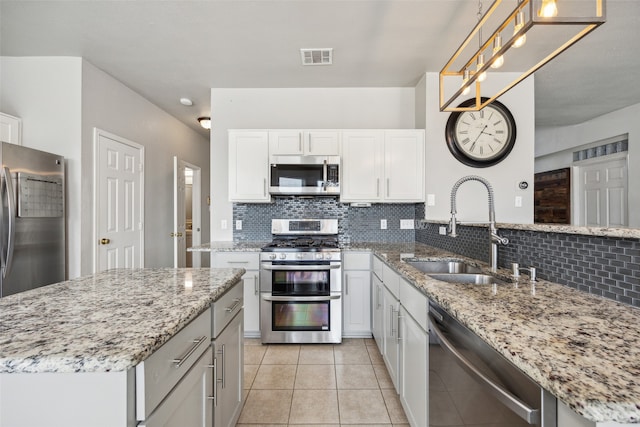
<point x="552" y="197"/>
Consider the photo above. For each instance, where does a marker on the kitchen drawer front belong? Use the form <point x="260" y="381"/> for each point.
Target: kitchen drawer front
<point x="377" y="267"/>
<point x="226" y="308"/>
<point x="356" y="260"/>
<point x="415" y="302"/>
<point x="159" y="373"/>
<point x="391" y="280"/>
<point x="246" y="260"/>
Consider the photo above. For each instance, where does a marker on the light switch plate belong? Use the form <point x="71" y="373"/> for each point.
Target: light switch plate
<point x="431" y="199"/>
<point x="223" y="224"/>
<point x="383" y="224"/>
<point x="406" y="224"/>
<point x="518" y="201"/>
<point x="443" y="230"/>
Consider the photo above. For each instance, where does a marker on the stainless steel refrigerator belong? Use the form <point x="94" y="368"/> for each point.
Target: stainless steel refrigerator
<point x="32" y="235"/>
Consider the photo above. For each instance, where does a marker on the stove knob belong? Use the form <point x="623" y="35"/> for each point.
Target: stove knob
<point x="328" y="255"/>
<point x="299" y="256"/>
<point x="319" y="255"/>
<point x="283" y="256"/>
<point x="272" y="256"/>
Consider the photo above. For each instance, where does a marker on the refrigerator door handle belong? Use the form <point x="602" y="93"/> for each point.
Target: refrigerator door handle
<point x="11" y="207"/>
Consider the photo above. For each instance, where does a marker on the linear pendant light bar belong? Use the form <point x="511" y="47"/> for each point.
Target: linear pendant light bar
<point x="574" y="20"/>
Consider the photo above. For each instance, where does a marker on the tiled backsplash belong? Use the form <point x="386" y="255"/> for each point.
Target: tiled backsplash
<point x="355" y="224"/>
<point x="605" y="266"/>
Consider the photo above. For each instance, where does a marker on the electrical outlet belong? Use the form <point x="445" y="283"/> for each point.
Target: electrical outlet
<point x="518" y="201"/>
<point x="431" y="199"/>
<point x="406" y="224"/>
<point x="238" y="224"/>
<point x="443" y="230"/>
<point x="223" y="224"/>
<point x="383" y="224"/>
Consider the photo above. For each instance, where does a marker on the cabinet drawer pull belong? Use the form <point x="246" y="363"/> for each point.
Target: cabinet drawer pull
<point x="224" y="374"/>
<point x="196" y="343"/>
<point x="237" y="262"/>
<point x="236" y="302"/>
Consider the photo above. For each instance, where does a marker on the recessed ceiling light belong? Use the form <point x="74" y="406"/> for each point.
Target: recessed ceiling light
<point x="186" y="101"/>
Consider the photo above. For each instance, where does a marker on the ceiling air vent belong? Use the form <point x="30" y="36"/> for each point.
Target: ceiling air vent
<point x="317" y="56"/>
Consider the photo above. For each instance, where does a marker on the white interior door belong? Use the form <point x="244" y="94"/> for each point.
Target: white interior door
<point x="119" y="202"/>
<point x="179" y="233"/>
<point x="603" y="194"/>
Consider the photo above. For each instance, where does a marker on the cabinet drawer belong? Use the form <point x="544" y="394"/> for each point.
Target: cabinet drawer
<point x="391" y="280"/>
<point x="246" y="260"/>
<point x="356" y="260"/>
<point x="415" y="302"/>
<point x="226" y="308"/>
<point x="160" y="372"/>
<point x="377" y="267"/>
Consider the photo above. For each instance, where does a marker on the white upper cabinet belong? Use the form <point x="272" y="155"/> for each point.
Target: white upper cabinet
<point x="404" y="166"/>
<point x="249" y="166"/>
<point x="304" y="142"/>
<point x="382" y="166"/>
<point x="10" y="129"/>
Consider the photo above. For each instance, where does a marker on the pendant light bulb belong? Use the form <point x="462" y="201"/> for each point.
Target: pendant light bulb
<point x="520" y="41"/>
<point x="465" y="79"/>
<point x="483" y="76"/>
<point x="549" y="9"/>
<point x="497" y="45"/>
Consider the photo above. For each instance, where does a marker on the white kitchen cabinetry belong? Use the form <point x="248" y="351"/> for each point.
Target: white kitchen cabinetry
<point x="249" y="166"/>
<point x="414" y="355"/>
<point x="304" y="142"/>
<point x="377" y="316"/>
<point x="10" y="129"/>
<point x="383" y="166"/>
<point x="189" y="404"/>
<point x="391" y="350"/>
<point x="356" y="295"/>
<point x="228" y="351"/>
<point x="250" y="261"/>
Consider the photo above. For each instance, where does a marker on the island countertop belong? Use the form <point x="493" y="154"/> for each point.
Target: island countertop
<point x="109" y="321"/>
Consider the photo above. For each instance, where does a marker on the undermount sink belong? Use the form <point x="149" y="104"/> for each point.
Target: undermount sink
<point x="477" y="279"/>
<point x="443" y="267"/>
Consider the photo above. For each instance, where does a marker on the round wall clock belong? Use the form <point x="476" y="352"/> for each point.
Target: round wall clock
<point x="481" y="138"/>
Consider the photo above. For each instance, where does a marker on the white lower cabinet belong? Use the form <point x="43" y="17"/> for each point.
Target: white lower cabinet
<point x="391" y="346"/>
<point x="414" y="355"/>
<point x="189" y="404"/>
<point x="228" y="352"/>
<point x="377" y="315"/>
<point x="250" y="261"/>
<point x="356" y="285"/>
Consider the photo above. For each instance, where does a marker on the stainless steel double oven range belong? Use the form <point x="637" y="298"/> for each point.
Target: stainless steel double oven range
<point x="301" y="283"/>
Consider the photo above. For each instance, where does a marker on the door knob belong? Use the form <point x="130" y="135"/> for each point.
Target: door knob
<point x="105" y="241"/>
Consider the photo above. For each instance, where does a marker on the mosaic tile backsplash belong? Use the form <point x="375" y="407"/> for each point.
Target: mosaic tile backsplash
<point x="355" y="224"/>
<point x="605" y="266"/>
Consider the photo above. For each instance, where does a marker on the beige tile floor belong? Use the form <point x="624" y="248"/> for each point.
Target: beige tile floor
<point x="318" y="386"/>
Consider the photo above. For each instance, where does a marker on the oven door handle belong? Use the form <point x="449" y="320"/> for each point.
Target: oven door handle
<point x="301" y="267"/>
<point x="300" y="299"/>
<point x="524" y="411"/>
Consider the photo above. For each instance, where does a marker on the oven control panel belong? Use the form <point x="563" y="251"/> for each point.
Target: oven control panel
<point x="300" y="256"/>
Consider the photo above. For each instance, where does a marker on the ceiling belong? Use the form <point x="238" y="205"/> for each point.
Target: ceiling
<point x="166" y="49"/>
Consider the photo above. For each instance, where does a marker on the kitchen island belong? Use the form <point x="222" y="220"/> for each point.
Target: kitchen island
<point x="92" y="332"/>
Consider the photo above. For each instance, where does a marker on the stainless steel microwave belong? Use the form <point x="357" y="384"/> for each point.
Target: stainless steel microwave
<point x="305" y="175"/>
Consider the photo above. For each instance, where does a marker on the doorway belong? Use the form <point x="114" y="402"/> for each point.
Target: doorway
<point x="187" y="214"/>
<point x="602" y="191"/>
<point x="118" y="228"/>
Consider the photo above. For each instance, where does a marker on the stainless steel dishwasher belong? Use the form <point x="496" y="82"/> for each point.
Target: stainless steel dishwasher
<point x="472" y="384"/>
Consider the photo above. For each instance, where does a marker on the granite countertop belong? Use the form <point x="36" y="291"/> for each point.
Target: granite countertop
<point x="582" y="348"/>
<point x="228" y="246"/>
<point x="105" y="322"/>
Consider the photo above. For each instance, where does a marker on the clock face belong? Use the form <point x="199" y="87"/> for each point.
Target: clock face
<point x="481" y="138"/>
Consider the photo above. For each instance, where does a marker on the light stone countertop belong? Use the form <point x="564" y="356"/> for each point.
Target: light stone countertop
<point x="105" y="322"/>
<point x="582" y="348"/>
<point x="228" y="246"/>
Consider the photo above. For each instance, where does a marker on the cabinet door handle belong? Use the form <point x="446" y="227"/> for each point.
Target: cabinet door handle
<point x="399" y="317"/>
<point x="264" y="180"/>
<point x="255" y="285"/>
<point x="300" y="142"/>
<point x="215" y="381"/>
<point x="387" y="187"/>
<point x="378" y="187"/>
<point x="179" y="361"/>
<point x="236" y="303"/>
<point x="221" y="380"/>
<point x="346" y="285"/>
<point x="391" y="320"/>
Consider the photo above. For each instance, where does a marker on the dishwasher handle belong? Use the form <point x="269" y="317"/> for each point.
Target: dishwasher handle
<point x="520" y="408"/>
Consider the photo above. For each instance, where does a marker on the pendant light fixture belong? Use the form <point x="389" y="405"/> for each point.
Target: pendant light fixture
<point x="553" y="25"/>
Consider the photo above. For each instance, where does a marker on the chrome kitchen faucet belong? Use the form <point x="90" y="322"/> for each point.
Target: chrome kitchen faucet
<point x="494" y="238"/>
